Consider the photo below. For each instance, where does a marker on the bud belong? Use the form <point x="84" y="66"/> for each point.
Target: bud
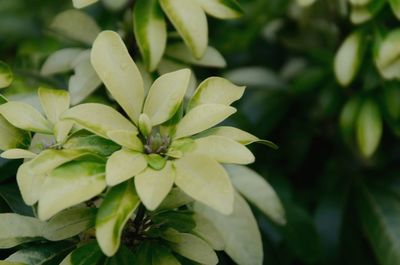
<point x="145" y="125"/>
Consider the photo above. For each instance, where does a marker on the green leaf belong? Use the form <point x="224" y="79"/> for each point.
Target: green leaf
<point x="239" y="231"/>
<point x="98" y="118"/>
<point x="123" y="165"/>
<point x="54" y="102"/>
<point x="258" y="191"/>
<point x="163" y="256"/>
<point x="10" y="136"/>
<point x="191" y="247"/>
<point x="395" y="5"/>
<point x="20" y="229"/>
<point x="181" y="221"/>
<point x="60" y="61"/>
<point x="223" y="9"/>
<point x="153" y="186"/>
<point x="11" y="194"/>
<point x="69" y="223"/>
<point x="223" y="150"/>
<point x="75" y="25"/>
<point x="69" y="185"/>
<point x="124" y="256"/>
<point x="202" y="118"/>
<point x="190" y="21"/>
<point x="348" y="118"/>
<point x="387" y="55"/>
<point x="26" y="117"/>
<point x="212" y="57"/>
<point x="89" y="254"/>
<point x="175" y="199"/>
<point x="206" y="230"/>
<point x="115" y="67"/>
<point x="6" y="76"/>
<point x="166" y="95"/>
<point x="156" y="161"/>
<point x="305" y="2"/>
<point x="216" y="90"/>
<point x="348" y="58"/>
<point x="210" y="185"/>
<point x="118" y="206"/>
<point x="150" y="31"/>
<point x="83" y="3"/>
<point x="369" y="128"/>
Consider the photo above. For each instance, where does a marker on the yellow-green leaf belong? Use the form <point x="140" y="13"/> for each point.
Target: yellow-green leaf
<point x="216" y="90"/>
<point x="83" y="3"/>
<point x="305" y="2"/>
<point x="25" y="117"/>
<point x="18" y="154"/>
<point x="208" y="184"/>
<point x="166" y="95"/>
<point x="223" y="150"/>
<point x="123" y="165"/>
<point x="395" y="5"/>
<point x="223" y="9"/>
<point x="60" y="61"/>
<point x="387" y="58"/>
<point x="99" y="119"/>
<point x="54" y="102"/>
<point x="190" y="21"/>
<point x="127" y="139"/>
<point x="150" y="31"/>
<point x="206" y="230"/>
<point x="10" y="136"/>
<point x="118" y="206"/>
<point x="6" y="76"/>
<point x="115" y="67"/>
<point x="154" y="185"/>
<point x="202" y="118"/>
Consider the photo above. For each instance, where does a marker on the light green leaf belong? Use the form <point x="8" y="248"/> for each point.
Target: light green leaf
<point x="83" y="3"/>
<point x="348" y="58"/>
<point x="223" y="9"/>
<point x="6" y="76"/>
<point x="190" y="21"/>
<point x="69" y="185"/>
<point x="153" y="185"/>
<point x="156" y="161"/>
<point x="150" y="31"/>
<point x="258" y="191"/>
<point x="11" y="137"/>
<point x="206" y="230"/>
<point x="145" y="125"/>
<point x="166" y="95"/>
<point x="123" y="165"/>
<point x="69" y="223"/>
<point x="202" y="118"/>
<point x="60" y="61"/>
<point x="223" y="150"/>
<point x="369" y="128"/>
<point x="192" y="247"/>
<point x="25" y="117"/>
<point x="99" y="119"/>
<point x="305" y="2"/>
<point x="387" y="57"/>
<point x="10" y="263"/>
<point x="212" y="57"/>
<point x="115" y="5"/>
<point x="54" y="102"/>
<point x="216" y="90"/>
<point x="348" y="118"/>
<point x="359" y="2"/>
<point x="395" y="5"/>
<point x="258" y="77"/>
<point x="75" y="25"/>
<point x="127" y="139"/>
<point x="20" y="229"/>
<point x="117" y="207"/>
<point x="239" y="230"/>
<point x="62" y="130"/>
<point x="208" y="184"/>
<point x="115" y="67"/>
<point x="18" y="154"/>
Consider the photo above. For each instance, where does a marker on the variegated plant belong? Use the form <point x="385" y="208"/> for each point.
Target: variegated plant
<point x="159" y="173"/>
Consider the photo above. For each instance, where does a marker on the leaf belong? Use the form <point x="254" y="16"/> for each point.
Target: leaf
<point x="54" y="102"/>
<point x="212" y="57"/>
<point x="75" y="25"/>
<point x="163" y="256"/>
<point x="369" y="128"/>
<point x="206" y="230"/>
<point x="25" y="117"/>
<point x="6" y="75"/>
<point x="202" y="118"/>
<point x="62" y="130"/>
<point x="17" y="154"/>
<point x="258" y="191"/>
<point x="191" y="247"/>
<point x="42" y="254"/>
<point x="153" y="186"/>
<point x="210" y="185"/>
<point x="124" y="256"/>
<point x="305" y="2"/>
<point x="386" y="57"/>
<point x="20" y="229"/>
<point x="175" y="199"/>
<point x="150" y="31"/>
<point x="348" y="118"/>
<point x="89" y="254"/>
<point x="190" y="21"/>
<point x="60" y="61"/>
<point x="348" y="58"/>
<point x="181" y="221"/>
<point x="223" y="150"/>
<point x="98" y="118"/>
<point x="118" y="206"/>
<point x="239" y="231"/>
<point x="257" y="77"/>
<point x="223" y="9"/>
<point x="69" y="223"/>
<point x="69" y="185"/>
<point x="119" y="73"/>
<point x="12" y="196"/>
<point x="395" y="5"/>
<point x="127" y="139"/>
<point x="123" y="165"/>
<point x="166" y="95"/>
<point x="10" y="136"/>
<point x="83" y="3"/>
